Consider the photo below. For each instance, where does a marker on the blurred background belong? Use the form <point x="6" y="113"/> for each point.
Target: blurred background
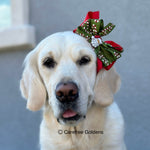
<point x="24" y="23"/>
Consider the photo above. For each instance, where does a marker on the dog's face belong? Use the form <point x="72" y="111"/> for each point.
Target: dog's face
<point x="67" y="66"/>
<point x="62" y="70"/>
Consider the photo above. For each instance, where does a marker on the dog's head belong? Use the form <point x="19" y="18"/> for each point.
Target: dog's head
<point x="61" y="73"/>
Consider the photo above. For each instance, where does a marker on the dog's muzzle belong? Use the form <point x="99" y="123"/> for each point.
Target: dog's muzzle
<point x="67" y="93"/>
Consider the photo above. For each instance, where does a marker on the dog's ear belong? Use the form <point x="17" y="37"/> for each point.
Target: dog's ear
<point x="31" y="84"/>
<point x="107" y="84"/>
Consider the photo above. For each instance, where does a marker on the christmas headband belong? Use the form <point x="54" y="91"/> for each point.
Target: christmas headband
<point x="93" y="29"/>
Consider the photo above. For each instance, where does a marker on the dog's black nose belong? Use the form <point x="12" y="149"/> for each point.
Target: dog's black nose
<point x="66" y="92"/>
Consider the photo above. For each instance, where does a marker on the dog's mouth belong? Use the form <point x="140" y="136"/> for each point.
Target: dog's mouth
<point x="70" y="115"/>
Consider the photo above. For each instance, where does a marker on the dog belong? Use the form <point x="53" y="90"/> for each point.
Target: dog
<point x="78" y="109"/>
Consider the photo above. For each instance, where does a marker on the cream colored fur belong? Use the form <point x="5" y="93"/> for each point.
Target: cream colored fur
<point x="38" y="85"/>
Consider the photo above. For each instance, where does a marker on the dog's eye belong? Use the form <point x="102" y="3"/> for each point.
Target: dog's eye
<point x="84" y="60"/>
<point x="49" y="62"/>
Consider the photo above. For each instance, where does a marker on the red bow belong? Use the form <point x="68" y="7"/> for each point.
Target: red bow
<point x="95" y="15"/>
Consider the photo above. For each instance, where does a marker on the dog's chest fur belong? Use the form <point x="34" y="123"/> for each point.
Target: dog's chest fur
<point x="51" y="139"/>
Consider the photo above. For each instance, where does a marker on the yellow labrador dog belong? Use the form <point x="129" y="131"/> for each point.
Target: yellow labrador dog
<point x="78" y="108"/>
